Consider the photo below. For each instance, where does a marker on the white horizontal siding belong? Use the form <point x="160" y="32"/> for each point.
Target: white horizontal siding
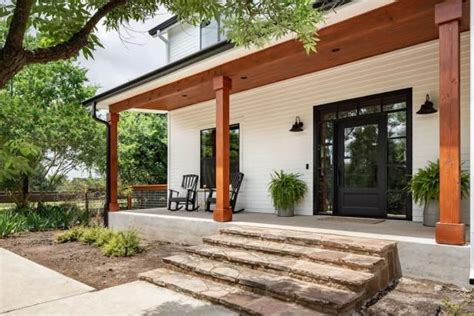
<point x="183" y="40"/>
<point x="265" y="115"/>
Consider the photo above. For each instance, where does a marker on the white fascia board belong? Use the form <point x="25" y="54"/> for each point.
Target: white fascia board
<point x="347" y="11"/>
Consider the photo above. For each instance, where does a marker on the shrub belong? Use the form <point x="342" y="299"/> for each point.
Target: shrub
<point x="72" y="234"/>
<point x="12" y="223"/>
<point x="43" y="217"/>
<point x="117" y="244"/>
<point x="122" y="244"/>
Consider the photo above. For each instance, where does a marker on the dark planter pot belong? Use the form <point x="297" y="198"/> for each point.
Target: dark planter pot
<point x="431" y="213"/>
<point x="286" y="212"/>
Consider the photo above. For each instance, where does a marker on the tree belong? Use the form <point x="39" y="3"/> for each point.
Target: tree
<point x="42" y="106"/>
<point x="67" y="27"/>
<point x="143" y="148"/>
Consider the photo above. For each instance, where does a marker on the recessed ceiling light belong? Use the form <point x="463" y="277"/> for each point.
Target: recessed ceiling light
<point x="243" y="77"/>
<point x="184" y="95"/>
<point x="335" y="50"/>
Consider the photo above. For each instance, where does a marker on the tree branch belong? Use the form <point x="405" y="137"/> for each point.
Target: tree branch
<point x="18" y="25"/>
<point x="80" y="39"/>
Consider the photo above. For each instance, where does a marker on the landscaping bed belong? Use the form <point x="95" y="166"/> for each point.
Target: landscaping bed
<point x="86" y="263"/>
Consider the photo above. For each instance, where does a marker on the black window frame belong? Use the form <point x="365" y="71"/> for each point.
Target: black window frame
<point x="237" y="167"/>
<point x="355" y="103"/>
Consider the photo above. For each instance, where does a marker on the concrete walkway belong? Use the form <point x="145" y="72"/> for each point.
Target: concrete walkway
<point x="27" y="288"/>
<point x="135" y="298"/>
<point x="25" y="283"/>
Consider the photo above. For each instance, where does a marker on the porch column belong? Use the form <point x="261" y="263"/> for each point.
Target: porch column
<point x="449" y="229"/>
<point x="113" y="144"/>
<point x="222" y="212"/>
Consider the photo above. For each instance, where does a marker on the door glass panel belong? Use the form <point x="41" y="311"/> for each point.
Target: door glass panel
<point x="326" y="180"/>
<point x="325" y="199"/>
<point x="360" y="156"/>
<point x="397" y="179"/>
<point x="397" y="150"/>
<point x="397" y="124"/>
<point x="369" y="109"/>
<point x="325" y="157"/>
<point x="397" y="204"/>
<point x="326" y="133"/>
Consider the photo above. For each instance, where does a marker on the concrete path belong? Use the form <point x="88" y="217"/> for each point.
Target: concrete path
<point x="135" y="298"/>
<point x="27" y="288"/>
<point x="25" y="283"/>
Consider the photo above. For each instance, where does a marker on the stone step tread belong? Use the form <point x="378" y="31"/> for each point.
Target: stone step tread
<point x="229" y="296"/>
<point x="349" y="243"/>
<point x="323" y="298"/>
<point x="354" y="280"/>
<point x="348" y="259"/>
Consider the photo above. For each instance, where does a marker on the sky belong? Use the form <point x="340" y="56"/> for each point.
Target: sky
<point x="126" y="54"/>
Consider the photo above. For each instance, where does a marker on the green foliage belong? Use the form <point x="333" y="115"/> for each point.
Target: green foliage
<point x="286" y="189"/>
<point x="122" y="244"/>
<point x="142" y="148"/>
<point x="453" y="309"/>
<point x="112" y="243"/>
<point x="11" y="223"/>
<point x="245" y="22"/>
<point x="44" y="217"/>
<point x="52" y="132"/>
<point x="424" y="185"/>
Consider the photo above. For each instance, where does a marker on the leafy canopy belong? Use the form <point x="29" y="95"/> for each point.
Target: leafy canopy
<point x="66" y="27"/>
<point x="41" y="111"/>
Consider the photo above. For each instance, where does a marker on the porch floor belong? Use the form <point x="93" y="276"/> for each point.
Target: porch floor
<point x="392" y="229"/>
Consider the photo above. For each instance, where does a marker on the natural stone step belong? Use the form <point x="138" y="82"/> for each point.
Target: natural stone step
<point x="352" y="244"/>
<point x="231" y="297"/>
<point x="315" y="296"/>
<point x="347" y="259"/>
<point x="342" y="277"/>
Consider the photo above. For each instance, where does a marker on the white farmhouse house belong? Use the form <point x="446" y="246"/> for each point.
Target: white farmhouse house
<point x="230" y="110"/>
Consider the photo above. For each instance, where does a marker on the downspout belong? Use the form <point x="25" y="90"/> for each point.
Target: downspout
<point x="471" y="154"/>
<point x="107" y="172"/>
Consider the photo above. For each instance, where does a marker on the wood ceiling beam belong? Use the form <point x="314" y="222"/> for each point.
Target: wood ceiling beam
<point x="408" y="22"/>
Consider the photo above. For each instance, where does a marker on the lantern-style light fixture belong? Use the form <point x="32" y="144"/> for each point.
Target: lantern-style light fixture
<point x="427" y="107"/>
<point x="298" y="126"/>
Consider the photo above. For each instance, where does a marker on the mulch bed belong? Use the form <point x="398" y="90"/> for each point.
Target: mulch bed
<point x="86" y="263"/>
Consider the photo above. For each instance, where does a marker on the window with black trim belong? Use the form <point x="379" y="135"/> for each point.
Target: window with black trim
<point x="208" y="154"/>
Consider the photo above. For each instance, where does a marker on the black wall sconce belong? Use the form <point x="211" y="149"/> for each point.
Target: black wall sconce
<point x="298" y="126"/>
<point x="427" y="107"/>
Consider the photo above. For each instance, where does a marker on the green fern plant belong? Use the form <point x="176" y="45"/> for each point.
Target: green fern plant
<point x="424" y="185"/>
<point x="286" y="189"/>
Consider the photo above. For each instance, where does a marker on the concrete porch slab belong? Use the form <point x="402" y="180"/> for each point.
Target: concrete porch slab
<point x="25" y="283"/>
<point x="419" y="254"/>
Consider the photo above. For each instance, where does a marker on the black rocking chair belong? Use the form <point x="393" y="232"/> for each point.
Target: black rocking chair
<point x="235" y="183"/>
<point x="189" y="185"/>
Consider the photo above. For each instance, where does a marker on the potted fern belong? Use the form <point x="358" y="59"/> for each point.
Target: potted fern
<point x="424" y="187"/>
<point x="286" y="190"/>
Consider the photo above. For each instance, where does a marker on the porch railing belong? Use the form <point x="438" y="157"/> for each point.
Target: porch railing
<point x="147" y="196"/>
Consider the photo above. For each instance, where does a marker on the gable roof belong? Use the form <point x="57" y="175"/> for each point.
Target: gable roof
<point x="164" y="25"/>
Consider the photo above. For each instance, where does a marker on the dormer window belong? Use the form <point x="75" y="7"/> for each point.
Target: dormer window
<point x="210" y="33"/>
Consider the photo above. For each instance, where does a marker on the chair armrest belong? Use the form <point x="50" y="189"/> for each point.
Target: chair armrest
<point x="173" y="191"/>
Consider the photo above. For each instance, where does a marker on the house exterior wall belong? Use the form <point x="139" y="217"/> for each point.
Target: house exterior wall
<point x="183" y="40"/>
<point x="265" y="115"/>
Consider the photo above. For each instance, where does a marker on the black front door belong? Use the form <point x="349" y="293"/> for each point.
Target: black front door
<point x="360" y="166"/>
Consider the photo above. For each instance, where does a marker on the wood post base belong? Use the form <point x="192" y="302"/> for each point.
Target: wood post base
<point x="222" y="215"/>
<point x="450" y="234"/>
<point x="114" y="207"/>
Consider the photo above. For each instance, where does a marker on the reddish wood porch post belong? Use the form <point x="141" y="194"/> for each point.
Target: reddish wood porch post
<point x="222" y="212"/>
<point x="113" y="121"/>
<point x="449" y="229"/>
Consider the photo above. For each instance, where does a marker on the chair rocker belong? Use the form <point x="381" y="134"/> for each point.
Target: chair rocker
<point x="188" y="198"/>
<point x="235" y="183"/>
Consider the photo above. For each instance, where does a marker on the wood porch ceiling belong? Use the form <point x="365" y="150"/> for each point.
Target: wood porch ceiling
<point x="400" y="24"/>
